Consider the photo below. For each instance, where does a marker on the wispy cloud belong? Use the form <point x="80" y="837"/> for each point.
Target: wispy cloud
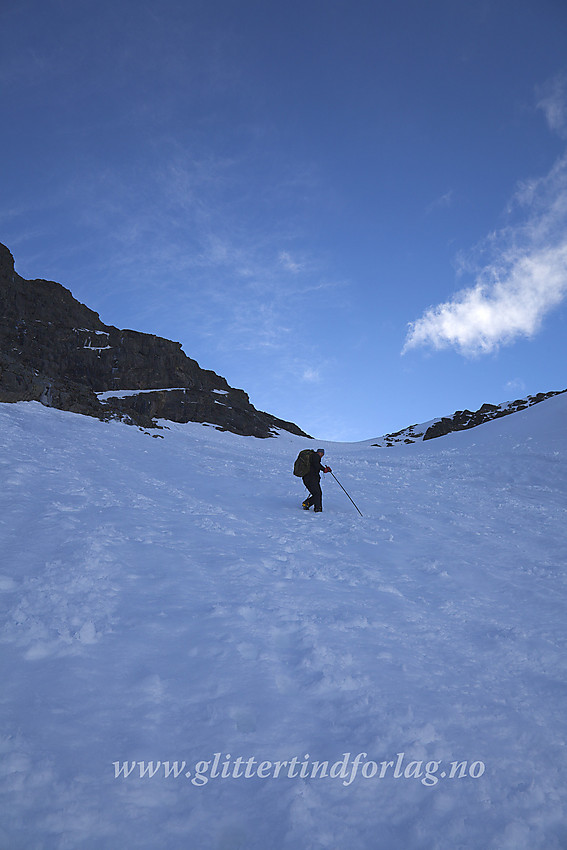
<point x="524" y="273"/>
<point x="442" y="202"/>
<point x="553" y="102"/>
<point x="288" y="263"/>
<point x="517" y="386"/>
<point x="311" y="375"/>
<point x="196" y="240"/>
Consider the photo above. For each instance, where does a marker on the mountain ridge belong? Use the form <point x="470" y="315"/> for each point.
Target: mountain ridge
<point x="461" y="420"/>
<point x="55" y="350"/>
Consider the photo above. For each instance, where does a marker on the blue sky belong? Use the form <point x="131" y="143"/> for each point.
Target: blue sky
<point x="355" y="211"/>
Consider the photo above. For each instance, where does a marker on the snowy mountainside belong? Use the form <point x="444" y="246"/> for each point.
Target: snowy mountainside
<point x="461" y="420"/>
<point x="167" y="601"/>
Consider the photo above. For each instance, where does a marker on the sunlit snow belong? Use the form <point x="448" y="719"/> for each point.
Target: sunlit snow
<point x="167" y="601"/>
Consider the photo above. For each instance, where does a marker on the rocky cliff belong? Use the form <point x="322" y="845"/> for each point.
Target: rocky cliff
<point x="55" y="350"/>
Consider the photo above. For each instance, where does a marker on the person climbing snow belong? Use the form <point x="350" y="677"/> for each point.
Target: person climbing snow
<point x="312" y="480"/>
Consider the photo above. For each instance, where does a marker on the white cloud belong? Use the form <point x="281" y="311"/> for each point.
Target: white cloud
<point x="487" y="315"/>
<point x="523" y="281"/>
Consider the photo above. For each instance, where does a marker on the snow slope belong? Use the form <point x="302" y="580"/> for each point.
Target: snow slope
<point x="166" y="599"/>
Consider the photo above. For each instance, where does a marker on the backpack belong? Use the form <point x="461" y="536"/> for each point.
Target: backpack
<point x="302" y="463"/>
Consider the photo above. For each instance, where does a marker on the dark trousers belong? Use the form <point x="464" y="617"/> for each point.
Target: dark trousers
<point x="313" y="484"/>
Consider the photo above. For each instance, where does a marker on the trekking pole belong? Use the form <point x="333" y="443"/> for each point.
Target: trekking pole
<point x="343" y="489"/>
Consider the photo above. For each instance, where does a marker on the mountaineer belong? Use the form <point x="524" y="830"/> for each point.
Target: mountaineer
<point x="308" y="467"/>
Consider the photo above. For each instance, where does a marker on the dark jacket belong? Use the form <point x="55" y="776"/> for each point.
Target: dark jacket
<point x="315" y="466"/>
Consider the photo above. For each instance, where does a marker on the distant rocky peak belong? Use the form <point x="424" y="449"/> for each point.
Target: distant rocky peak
<point x="461" y="420"/>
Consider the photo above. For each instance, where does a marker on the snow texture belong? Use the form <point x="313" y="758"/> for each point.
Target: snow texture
<point x="166" y="599"/>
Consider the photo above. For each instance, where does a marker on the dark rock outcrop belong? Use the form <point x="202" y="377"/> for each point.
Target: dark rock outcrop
<point x="462" y="420"/>
<point x="55" y="350"/>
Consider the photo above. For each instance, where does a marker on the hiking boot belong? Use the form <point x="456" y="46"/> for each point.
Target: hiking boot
<point x="318" y="510"/>
<point x="305" y="505"/>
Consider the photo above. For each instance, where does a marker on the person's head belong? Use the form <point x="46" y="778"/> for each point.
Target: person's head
<point x="320" y="452"/>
